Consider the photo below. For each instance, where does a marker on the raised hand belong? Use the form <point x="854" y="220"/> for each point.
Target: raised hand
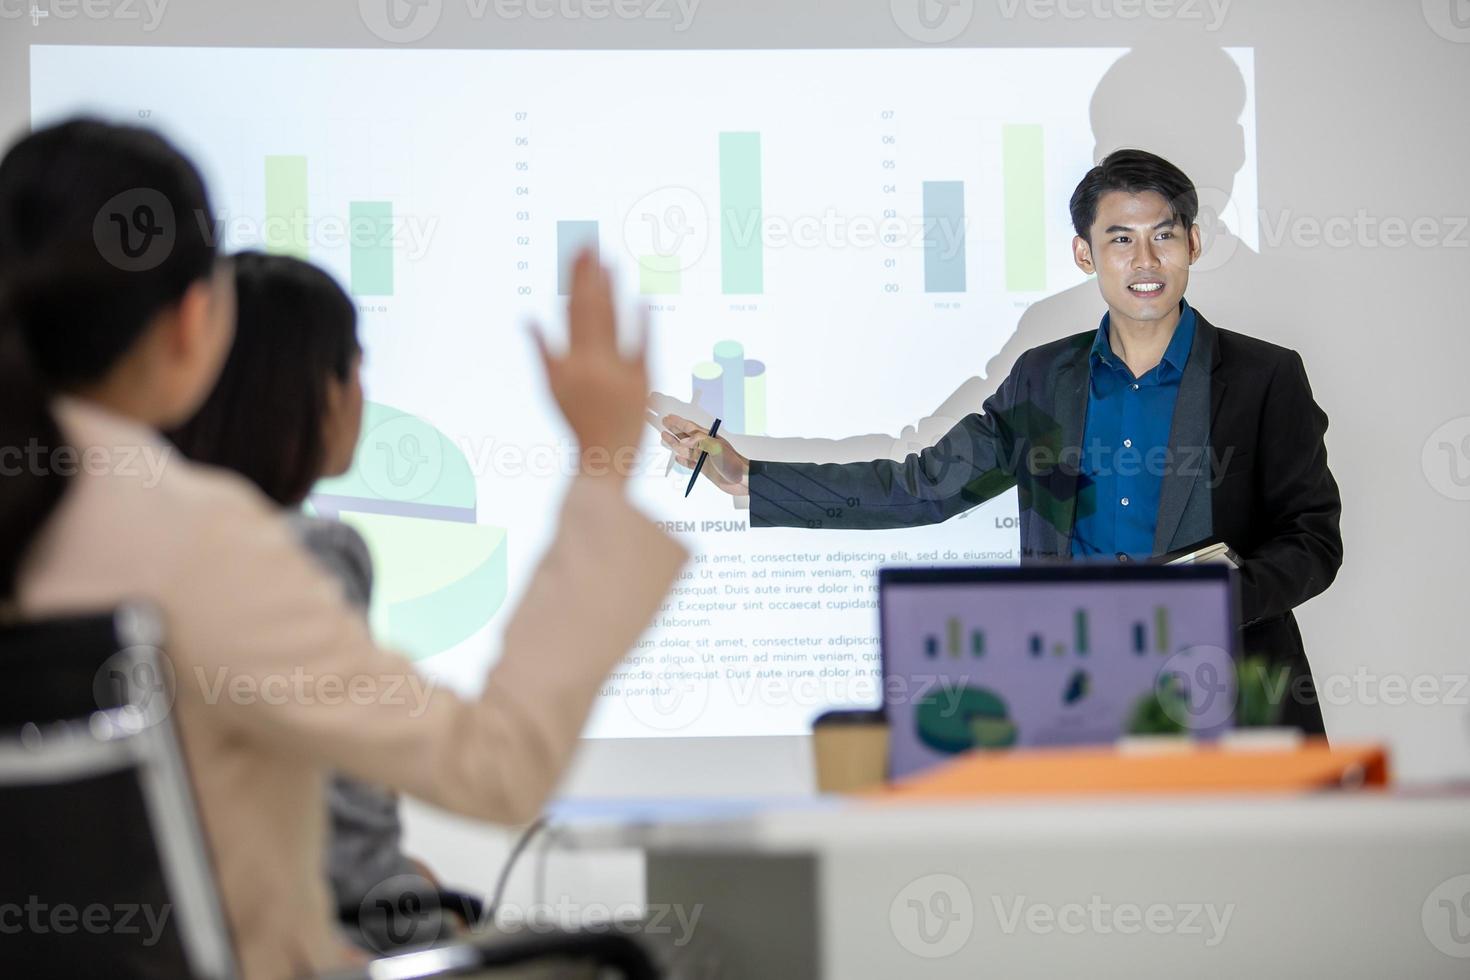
<point x="600" y="391"/>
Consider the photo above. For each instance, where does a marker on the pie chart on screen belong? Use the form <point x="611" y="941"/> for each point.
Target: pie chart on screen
<point x="438" y="574"/>
<point x="963" y="719"/>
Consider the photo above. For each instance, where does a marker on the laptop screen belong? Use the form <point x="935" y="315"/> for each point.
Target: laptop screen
<point x="994" y="658"/>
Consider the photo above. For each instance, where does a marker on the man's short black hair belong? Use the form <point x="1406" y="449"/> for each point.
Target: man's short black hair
<point x="1133" y="171"/>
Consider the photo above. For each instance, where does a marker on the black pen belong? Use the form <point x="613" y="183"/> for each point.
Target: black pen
<point x="714" y="430"/>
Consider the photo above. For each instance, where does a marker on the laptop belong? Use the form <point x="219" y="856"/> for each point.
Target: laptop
<point x="994" y="658"/>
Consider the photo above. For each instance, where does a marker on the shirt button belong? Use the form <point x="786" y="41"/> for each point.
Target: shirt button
<point x="1125" y="501"/>
<point x="1134" y="386"/>
<point x="1127" y="443"/>
<point x="1122" y="558"/>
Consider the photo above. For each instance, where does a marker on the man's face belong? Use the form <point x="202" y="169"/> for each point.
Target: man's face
<point x="1140" y="253"/>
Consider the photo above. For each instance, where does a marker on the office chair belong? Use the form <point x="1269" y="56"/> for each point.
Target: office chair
<point x="107" y="867"/>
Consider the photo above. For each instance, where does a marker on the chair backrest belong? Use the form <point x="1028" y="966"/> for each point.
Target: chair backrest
<point x="106" y="872"/>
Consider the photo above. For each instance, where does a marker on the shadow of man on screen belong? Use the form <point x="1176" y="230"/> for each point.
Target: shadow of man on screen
<point x="1183" y="103"/>
<point x="1180" y="101"/>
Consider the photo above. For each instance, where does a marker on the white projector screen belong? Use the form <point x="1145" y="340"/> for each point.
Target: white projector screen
<point x="771" y="211"/>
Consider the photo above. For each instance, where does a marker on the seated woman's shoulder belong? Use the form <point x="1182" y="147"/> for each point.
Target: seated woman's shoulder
<point x="340" y="550"/>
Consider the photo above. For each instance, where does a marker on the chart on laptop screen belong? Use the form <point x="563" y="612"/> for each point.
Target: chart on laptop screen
<point x="799" y="225"/>
<point x="1001" y="664"/>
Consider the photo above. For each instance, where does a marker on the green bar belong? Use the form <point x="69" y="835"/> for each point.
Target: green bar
<point x="370" y="231"/>
<point x="954" y="637"/>
<point x="1081" y="631"/>
<point x="285" y="205"/>
<point x="741" y="259"/>
<point x="1161" y="629"/>
<point x="977" y="642"/>
<point x="659" y="275"/>
<point x="1025" y="204"/>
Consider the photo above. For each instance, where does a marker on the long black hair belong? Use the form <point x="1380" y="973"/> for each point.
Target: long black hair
<point x="295" y="330"/>
<point x="101" y="228"/>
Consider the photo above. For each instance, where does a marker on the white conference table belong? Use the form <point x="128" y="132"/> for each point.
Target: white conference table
<point x="1340" y="884"/>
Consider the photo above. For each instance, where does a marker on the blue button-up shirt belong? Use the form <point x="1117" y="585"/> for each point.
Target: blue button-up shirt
<point x="1125" y="445"/>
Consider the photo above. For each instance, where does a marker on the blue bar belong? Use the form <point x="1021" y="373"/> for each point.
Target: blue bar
<point x="944" y="236"/>
<point x="730" y="356"/>
<point x="931" y="646"/>
<point x="571" y="238"/>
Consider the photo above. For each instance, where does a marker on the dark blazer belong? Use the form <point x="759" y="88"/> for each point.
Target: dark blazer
<point x="1246" y="465"/>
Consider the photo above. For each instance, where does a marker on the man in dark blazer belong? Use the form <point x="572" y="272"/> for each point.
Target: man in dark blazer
<point x="1155" y="433"/>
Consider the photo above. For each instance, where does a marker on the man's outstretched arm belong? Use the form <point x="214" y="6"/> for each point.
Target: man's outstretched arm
<point x="974" y="461"/>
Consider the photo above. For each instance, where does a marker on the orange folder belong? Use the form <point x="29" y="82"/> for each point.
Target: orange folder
<point x="1203" y="769"/>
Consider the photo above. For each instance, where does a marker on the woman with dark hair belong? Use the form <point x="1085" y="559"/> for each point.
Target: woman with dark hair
<point x="115" y="317"/>
<point x="285" y="412"/>
<point x="286" y="409"/>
